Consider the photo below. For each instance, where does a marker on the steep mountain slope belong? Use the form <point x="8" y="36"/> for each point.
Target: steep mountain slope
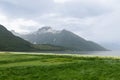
<point x="64" y="38"/>
<point x="9" y="42"/>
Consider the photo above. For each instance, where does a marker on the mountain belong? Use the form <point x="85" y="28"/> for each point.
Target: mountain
<point x="9" y="42"/>
<point x="114" y="46"/>
<point x="63" y="38"/>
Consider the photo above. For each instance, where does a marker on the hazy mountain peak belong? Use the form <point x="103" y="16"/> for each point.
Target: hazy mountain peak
<point x="64" y="30"/>
<point x="46" y="29"/>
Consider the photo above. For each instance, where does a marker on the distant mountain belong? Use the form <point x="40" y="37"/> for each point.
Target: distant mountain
<point x="63" y="38"/>
<point x="115" y="46"/>
<point x="9" y="42"/>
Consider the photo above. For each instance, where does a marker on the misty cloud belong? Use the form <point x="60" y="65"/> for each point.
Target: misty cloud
<point x="96" y="20"/>
<point x="83" y="8"/>
<point x="26" y="8"/>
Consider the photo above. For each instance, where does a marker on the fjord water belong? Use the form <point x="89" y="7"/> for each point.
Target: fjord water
<point x="100" y="53"/>
<point x="94" y="53"/>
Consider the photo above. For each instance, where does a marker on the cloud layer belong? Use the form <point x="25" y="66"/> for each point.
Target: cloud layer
<point x="96" y="20"/>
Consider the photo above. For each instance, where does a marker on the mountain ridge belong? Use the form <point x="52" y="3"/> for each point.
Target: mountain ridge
<point x="63" y="38"/>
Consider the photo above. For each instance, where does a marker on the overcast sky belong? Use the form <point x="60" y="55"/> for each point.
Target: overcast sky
<point x="96" y="20"/>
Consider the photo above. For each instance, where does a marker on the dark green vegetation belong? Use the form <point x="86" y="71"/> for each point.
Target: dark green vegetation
<point x="62" y="38"/>
<point x="9" y="42"/>
<point x="57" y="67"/>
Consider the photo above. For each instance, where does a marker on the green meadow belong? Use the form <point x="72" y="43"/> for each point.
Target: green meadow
<point x="19" y="66"/>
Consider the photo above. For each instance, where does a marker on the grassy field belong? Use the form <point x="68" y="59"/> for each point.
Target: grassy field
<point x="57" y="67"/>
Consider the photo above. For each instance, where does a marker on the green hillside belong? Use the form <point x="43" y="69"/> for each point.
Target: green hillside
<point x="9" y="42"/>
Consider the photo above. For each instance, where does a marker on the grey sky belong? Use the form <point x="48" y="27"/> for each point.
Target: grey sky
<point x="96" y="20"/>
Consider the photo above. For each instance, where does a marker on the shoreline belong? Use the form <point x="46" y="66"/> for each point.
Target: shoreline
<point x="59" y="54"/>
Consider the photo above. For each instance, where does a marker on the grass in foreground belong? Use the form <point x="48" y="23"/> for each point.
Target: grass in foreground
<point x="54" y="67"/>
